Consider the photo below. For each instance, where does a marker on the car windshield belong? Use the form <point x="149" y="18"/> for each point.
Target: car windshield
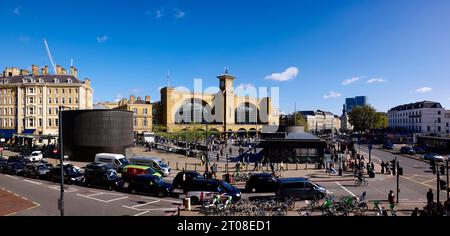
<point x="71" y="170"/>
<point x="162" y="164"/>
<point x="111" y="173"/>
<point x="123" y="161"/>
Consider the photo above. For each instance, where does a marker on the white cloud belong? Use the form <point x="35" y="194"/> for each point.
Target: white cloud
<point x="102" y="39"/>
<point x="135" y="90"/>
<point x="178" y="13"/>
<point x="118" y="97"/>
<point x="16" y="11"/>
<point x="424" y="90"/>
<point x="351" y="81"/>
<point x="332" y="94"/>
<point x="289" y="74"/>
<point x="376" y="80"/>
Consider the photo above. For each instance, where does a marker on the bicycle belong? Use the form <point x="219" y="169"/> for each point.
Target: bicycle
<point x="362" y="182"/>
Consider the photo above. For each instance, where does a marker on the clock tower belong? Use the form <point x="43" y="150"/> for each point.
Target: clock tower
<point x="227" y="88"/>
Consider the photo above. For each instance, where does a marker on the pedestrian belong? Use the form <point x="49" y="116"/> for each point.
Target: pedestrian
<point x="231" y="151"/>
<point x="281" y="166"/>
<point x="272" y="168"/>
<point x="430" y="196"/>
<point x="372" y="165"/>
<point x="238" y="167"/>
<point x="214" y="170"/>
<point x="415" y="212"/>
<point x="391" y="198"/>
<point x="218" y="157"/>
<point x="256" y="166"/>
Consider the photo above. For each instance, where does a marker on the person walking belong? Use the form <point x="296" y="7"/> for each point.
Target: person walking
<point x="256" y="166"/>
<point x="372" y="165"/>
<point x="214" y="170"/>
<point x="272" y="168"/>
<point x="281" y="166"/>
<point x="218" y="157"/>
<point x="415" y="212"/>
<point x="430" y="196"/>
<point x="391" y="198"/>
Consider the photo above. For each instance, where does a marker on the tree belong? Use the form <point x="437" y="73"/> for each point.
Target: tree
<point x="301" y="120"/>
<point x="381" y="121"/>
<point x="362" y="118"/>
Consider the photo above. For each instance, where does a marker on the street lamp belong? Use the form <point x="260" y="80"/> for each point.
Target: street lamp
<point x="61" y="160"/>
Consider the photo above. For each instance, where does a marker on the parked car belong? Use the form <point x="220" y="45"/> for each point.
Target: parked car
<point x="300" y="188"/>
<point x="18" y="158"/>
<point x="71" y="175"/>
<point x="101" y="175"/>
<point x="261" y="183"/>
<point x="407" y="150"/>
<point x="434" y="156"/>
<point x="3" y="163"/>
<point x="200" y="190"/>
<point x="184" y="178"/>
<point x="154" y="162"/>
<point x="150" y="184"/>
<point x="14" y="168"/>
<point x="118" y="161"/>
<point x="130" y="171"/>
<point x="36" y="170"/>
<point x="419" y="149"/>
<point x="388" y="146"/>
<point x="35" y="156"/>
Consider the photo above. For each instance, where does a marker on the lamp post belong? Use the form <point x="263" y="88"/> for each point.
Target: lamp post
<point x="61" y="160"/>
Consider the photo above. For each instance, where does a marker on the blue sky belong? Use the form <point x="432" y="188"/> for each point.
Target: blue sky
<point x="329" y="50"/>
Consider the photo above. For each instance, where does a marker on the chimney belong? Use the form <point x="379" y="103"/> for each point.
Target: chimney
<point x="34" y="70"/>
<point x="139" y="98"/>
<point x="58" y="70"/>
<point x="44" y="70"/>
<point x="63" y="71"/>
<point x="73" y="71"/>
<point x="147" y="99"/>
<point x="24" y="72"/>
<point x="132" y="99"/>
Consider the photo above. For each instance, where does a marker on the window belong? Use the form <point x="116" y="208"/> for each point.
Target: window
<point x="49" y="122"/>
<point x="135" y="122"/>
<point x="56" y="90"/>
<point x="428" y="129"/>
<point x="5" y="112"/>
<point x="31" y="111"/>
<point x="49" y="110"/>
<point x="10" y="122"/>
<point x="145" y="122"/>
<point x="56" y="122"/>
<point x="56" y="100"/>
<point x="135" y="110"/>
<point x="5" y="123"/>
<point x="49" y="91"/>
<point x="63" y="100"/>
<point x="439" y="120"/>
<point x="41" y="81"/>
<point x="40" y="100"/>
<point x="76" y="90"/>
<point x="49" y="100"/>
<point x="4" y="101"/>
<point x="56" y="80"/>
<point x="69" y="81"/>
<point x="70" y="90"/>
<point x="439" y="112"/>
<point x="10" y="111"/>
<point x="154" y="111"/>
<point x="56" y="111"/>
<point x="31" y="100"/>
<point x="145" y="111"/>
<point x="63" y="90"/>
<point x="70" y="100"/>
<point x="439" y="128"/>
<point x="40" y="111"/>
<point x="31" y="122"/>
<point x="76" y="100"/>
<point x="40" y="122"/>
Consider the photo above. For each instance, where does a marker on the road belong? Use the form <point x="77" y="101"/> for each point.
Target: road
<point x="81" y="201"/>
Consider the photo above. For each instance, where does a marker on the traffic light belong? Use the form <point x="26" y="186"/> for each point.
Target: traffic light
<point x="393" y="167"/>
<point x="443" y="184"/>
<point x="442" y="170"/>
<point x="400" y="171"/>
<point x="433" y="165"/>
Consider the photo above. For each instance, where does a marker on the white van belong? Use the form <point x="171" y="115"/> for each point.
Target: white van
<point x="154" y="162"/>
<point x="118" y="161"/>
<point x="35" y="156"/>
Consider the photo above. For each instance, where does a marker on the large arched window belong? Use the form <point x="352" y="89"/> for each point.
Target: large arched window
<point x="193" y="111"/>
<point x="246" y="113"/>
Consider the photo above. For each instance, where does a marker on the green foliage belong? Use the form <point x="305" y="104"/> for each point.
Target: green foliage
<point x="362" y="118"/>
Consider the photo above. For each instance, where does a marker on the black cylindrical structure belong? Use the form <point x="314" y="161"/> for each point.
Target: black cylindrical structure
<point x="88" y="132"/>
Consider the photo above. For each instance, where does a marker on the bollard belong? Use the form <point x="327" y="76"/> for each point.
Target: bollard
<point x="187" y="204"/>
<point x="306" y="166"/>
<point x="177" y="165"/>
<point x="195" y="167"/>
<point x="296" y="166"/>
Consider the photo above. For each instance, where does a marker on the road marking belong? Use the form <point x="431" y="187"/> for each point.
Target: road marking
<point x="101" y="200"/>
<point x="17" y="195"/>
<point x="24" y="198"/>
<point x="418" y="182"/>
<point x="32" y="182"/>
<point x="348" y="191"/>
<point x="10" y="176"/>
<point x="163" y="200"/>
<point x="10" y="214"/>
<point x="95" y="194"/>
<point x="372" y="156"/>
<point x="58" y="188"/>
<point x="148" y="203"/>
<point x="142" y="213"/>
<point x="430" y="180"/>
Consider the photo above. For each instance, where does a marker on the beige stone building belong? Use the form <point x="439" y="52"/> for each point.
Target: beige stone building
<point x="29" y="102"/>
<point x="224" y="111"/>
<point x="142" y="110"/>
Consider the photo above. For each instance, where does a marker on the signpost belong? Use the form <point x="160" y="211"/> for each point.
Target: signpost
<point x="370" y="153"/>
